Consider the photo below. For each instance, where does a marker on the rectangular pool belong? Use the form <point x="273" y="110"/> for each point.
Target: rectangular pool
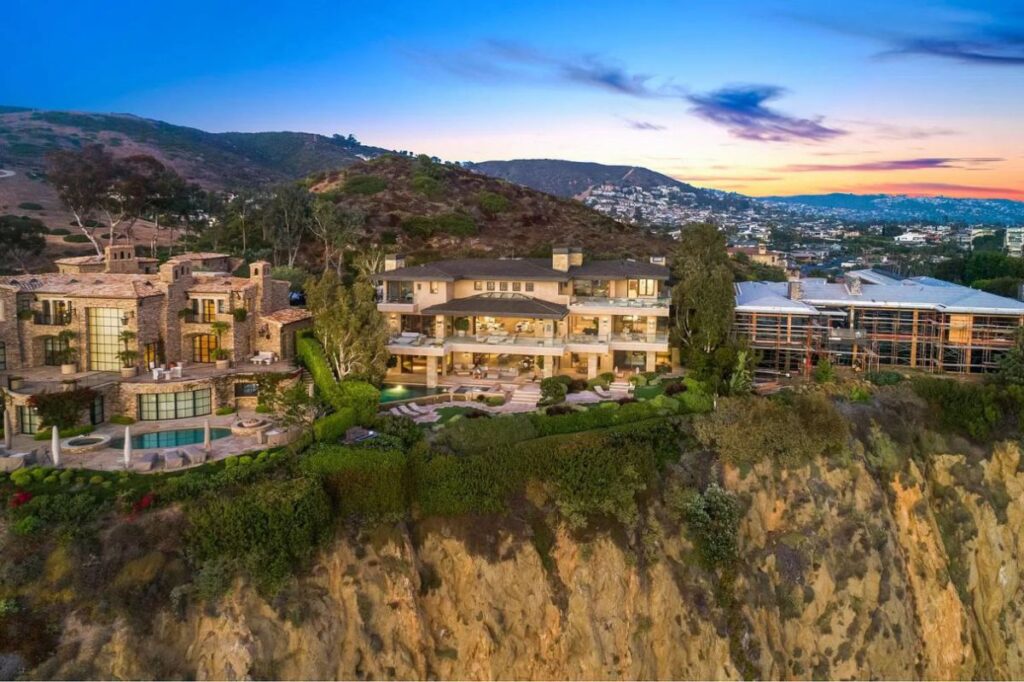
<point x="169" y="439"/>
<point x="392" y="392"/>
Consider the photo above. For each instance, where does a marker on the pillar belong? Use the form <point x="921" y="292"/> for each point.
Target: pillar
<point x="604" y="327"/>
<point x="652" y="361"/>
<point x="431" y="371"/>
<point x="549" y="366"/>
<point x="591" y="365"/>
<point x="439" y="326"/>
<point x="652" y="327"/>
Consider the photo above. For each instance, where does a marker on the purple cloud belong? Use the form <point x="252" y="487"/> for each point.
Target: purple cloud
<point x="895" y="165"/>
<point x="643" y="125"/>
<point x="741" y="110"/>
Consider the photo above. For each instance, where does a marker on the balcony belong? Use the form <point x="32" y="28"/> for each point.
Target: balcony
<point x="592" y="304"/>
<point x="639" y="341"/>
<point x="59" y="319"/>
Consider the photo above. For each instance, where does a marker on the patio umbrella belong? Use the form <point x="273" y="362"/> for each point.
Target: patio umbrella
<point x="127" y="447"/>
<point x="8" y="431"/>
<point x="206" y="435"/>
<point x="55" y="447"/>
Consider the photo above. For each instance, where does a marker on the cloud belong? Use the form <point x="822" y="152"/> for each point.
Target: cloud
<point x="643" y="125"/>
<point x="973" y="163"/>
<point x="730" y="178"/>
<point x="947" y="189"/>
<point x="741" y="110"/>
<point x="986" y="46"/>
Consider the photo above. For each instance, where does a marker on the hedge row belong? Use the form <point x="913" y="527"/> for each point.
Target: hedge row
<point x="362" y="482"/>
<point x="354" y="402"/>
<point x="333" y="426"/>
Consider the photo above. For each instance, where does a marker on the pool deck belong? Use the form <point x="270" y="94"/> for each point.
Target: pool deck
<point x="112" y="459"/>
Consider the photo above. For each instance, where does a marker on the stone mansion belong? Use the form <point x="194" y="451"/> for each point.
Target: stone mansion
<point x="155" y="341"/>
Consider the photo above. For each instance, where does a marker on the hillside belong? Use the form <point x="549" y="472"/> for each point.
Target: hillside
<point x="427" y="206"/>
<point x="573" y="178"/>
<point x="215" y="160"/>
<point x="896" y="557"/>
<point x="897" y="207"/>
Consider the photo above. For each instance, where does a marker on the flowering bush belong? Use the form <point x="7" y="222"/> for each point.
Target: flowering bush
<point x="19" y="498"/>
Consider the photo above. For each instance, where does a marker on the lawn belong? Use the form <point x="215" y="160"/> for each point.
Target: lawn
<point x="446" y="413"/>
<point x="648" y="392"/>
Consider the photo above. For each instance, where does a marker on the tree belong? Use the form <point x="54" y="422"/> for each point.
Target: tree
<point x="353" y="332"/>
<point x="21" y="238"/>
<point x="287" y="218"/>
<point x="1011" y="365"/>
<point x="294" y="407"/>
<point x="83" y="180"/>
<point x="335" y="227"/>
<point x="703" y="296"/>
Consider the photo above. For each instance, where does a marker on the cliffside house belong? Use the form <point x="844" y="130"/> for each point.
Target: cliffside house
<point x="876" y="319"/>
<point x="171" y="312"/>
<point x="519" y="319"/>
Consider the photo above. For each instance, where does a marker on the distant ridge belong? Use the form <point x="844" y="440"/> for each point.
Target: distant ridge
<point x="573" y="178"/>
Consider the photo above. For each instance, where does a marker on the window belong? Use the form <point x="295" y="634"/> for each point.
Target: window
<point x="203" y="346"/>
<point x="648" y="287"/>
<point x="53" y="350"/>
<point x="28" y="418"/>
<point x="517" y="286"/>
<point x="151" y="354"/>
<point x="204" y="310"/>
<point x="104" y="339"/>
<point x="156" y="406"/>
<point x="529" y="286"/>
<point x="220" y="305"/>
<point x="490" y="286"/>
<point x="3" y="355"/>
<point x="246" y="389"/>
<point x="96" y="411"/>
<point x="433" y="287"/>
<point x="503" y="286"/>
<point x="478" y="286"/>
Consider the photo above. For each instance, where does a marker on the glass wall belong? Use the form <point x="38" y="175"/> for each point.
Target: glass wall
<point x="203" y="346"/>
<point x="179" y="405"/>
<point x="104" y="341"/>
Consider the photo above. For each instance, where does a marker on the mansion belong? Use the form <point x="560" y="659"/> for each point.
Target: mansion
<point x="154" y="341"/>
<point x="515" y="319"/>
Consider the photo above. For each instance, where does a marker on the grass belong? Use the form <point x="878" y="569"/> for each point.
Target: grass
<point x="446" y="413"/>
<point x="648" y="392"/>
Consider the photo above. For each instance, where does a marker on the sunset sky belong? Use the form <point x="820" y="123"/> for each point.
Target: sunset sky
<point x="757" y="97"/>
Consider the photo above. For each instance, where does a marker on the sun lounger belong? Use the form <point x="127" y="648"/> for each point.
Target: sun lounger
<point x="416" y="408"/>
<point x="602" y="392"/>
<point x="145" y="462"/>
<point x="407" y="411"/>
<point x="396" y="412"/>
<point x="173" y="459"/>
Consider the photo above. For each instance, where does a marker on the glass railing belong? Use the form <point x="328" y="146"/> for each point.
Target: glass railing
<point x="587" y="338"/>
<point x="640" y="337"/>
<point x="506" y="340"/>
<point x="609" y="302"/>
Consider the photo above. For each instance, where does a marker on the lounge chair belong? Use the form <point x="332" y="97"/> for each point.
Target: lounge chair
<point x="396" y="412"/>
<point x="602" y="392"/>
<point x="408" y="411"/>
<point x="416" y="408"/>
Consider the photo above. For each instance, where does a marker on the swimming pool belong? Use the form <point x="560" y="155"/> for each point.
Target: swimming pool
<point x="169" y="439"/>
<point x="391" y="392"/>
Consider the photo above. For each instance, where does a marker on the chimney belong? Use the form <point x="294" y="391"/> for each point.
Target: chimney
<point x="393" y="261"/>
<point x="796" y="289"/>
<point x="658" y="260"/>
<point x="560" y="259"/>
<point x="120" y="258"/>
<point x="575" y="257"/>
<point x="854" y="286"/>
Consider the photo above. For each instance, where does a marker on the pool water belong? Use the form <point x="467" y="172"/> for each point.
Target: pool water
<point x="169" y="439"/>
<point x="392" y="392"/>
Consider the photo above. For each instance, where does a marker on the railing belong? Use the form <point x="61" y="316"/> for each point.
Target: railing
<point x="506" y="340"/>
<point x="200" y="318"/>
<point x="608" y="302"/>
<point x="58" y="319"/>
<point x="587" y="338"/>
<point x="640" y="337"/>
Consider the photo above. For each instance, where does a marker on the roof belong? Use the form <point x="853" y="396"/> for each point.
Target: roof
<point x="537" y="269"/>
<point x="921" y="293"/>
<point x="499" y="304"/>
<point x="81" y="260"/>
<point x="88" y="285"/>
<point x="200" y="255"/>
<point x="287" y="316"/>
<point x="218" y="283"/>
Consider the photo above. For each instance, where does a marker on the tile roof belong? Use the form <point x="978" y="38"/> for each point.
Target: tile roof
<point x="80" y="260"/>
<point x="88" y="285"/>
<point x="218" y="283"/>
<point x="499" y="305"/>
<point x="538" y="269"/>
<point x="287" y="315"/>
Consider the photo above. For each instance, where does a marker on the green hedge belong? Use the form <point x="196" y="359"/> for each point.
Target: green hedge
<point x="363" y="482"/>
<point x="270" y="529"/>
<point x="973" y="409"/>
<point x="333" y="427"/>
<point x="46" y="433"/>
<point x="363" y="398"/>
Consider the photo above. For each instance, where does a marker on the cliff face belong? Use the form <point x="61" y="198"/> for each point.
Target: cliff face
<point x="842" y="573"/>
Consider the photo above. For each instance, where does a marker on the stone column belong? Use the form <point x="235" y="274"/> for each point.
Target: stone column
<point x="549" y="366"/>
<point x="652" y="361"/>
<point x="439" y="327"/>
<point x="604" y="327"/>
<point x="591" y="365"/>
<point x="431" y="371"/>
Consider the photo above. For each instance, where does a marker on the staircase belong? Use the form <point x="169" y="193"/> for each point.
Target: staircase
<point x="620" y="386"/>
<point x="527" y="394"/>
<point x="307" y="380"/>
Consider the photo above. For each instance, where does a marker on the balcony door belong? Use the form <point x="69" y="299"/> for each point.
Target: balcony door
<point x="104" y="339"/>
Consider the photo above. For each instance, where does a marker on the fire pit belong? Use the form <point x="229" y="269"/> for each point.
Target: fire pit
<point x="250" y="426"/>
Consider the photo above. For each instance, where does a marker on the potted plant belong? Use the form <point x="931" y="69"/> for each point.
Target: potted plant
<point x="240" y="314"/>
<point x="221" y="355"/>
<point x="128" y="356"/>
<point x="67" y="354"/>
<point x="25" y="314"/>
<point x="461" y="325"/>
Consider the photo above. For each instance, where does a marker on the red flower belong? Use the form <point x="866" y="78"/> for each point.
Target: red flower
<point x="19" y="498"/>
<point x="144" y="503"/>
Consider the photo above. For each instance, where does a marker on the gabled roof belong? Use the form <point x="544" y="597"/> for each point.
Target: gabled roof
<point x="619" y="269"/>
<point x="499" y="305"/>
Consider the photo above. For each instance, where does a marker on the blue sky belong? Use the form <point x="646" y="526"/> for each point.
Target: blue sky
<point x="760" y="97"/>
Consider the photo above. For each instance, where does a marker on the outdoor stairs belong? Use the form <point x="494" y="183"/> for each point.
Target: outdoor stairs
<point x="619" y="386"/>
<point x="306" y="378"/>
<point x="525" y="395"/>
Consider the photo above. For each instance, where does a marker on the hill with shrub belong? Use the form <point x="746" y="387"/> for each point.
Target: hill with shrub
<point x="426" y="206"/>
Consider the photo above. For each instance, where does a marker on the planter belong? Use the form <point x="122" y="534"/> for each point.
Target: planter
<point x="129" y="372"/>
<point x="69" y="368"/>
<point x="223" y="364"/>
<point x="460" y="332"/>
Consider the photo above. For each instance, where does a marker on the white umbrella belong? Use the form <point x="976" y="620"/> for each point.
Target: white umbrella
<point x="8" y="431"/>
<point x="206" y="435"/>
<point x="55" y="446"/>
<point x="127" y="447"/>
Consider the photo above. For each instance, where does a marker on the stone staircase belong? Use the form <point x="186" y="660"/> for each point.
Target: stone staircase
<point x="620" y="387"/>
<point x="527" y="394"/>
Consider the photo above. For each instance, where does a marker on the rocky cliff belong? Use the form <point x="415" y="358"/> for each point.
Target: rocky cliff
<point x="843" y="572"/>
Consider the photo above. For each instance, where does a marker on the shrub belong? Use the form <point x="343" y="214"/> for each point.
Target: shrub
<point x="492" y="203"/>
<point x="62" y="409"/>
<point x="884" y="378"/>
<point x="860" y="394"/>
<point x="675" y="388"/>
<point x="402" y="428"/>
<point x="790" y="432"/>
<point x="494" y="400"/>
<point x="226" y="409"/>
<point x="263" y="409"/>
<point x="970" y="408"/>
<point x="454" y="224"/>
<point x="474" y="435"/>
<point x="555" y="410"/>
<point x="240" y="314"/>
<point x="713" y="519"/>
<point x="332" y="428"/>
<point x="364" y="482"/>
<point x="427" y="186"/>
<point x="824" y="372"/>
<point x="76" y="239"/>
<point x="362" y="397"/>
<point x="71" y="432"/>
<point x="270" y="529"/>
<point x="364" y="184"/>
<point x="553" y="390"/>
<point x="30" y="206"/>
<point x="60" y="232"/>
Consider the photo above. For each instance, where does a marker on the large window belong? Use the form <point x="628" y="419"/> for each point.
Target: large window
<point x="53" y="350"/>
<point x="246" y="389"/>
<point x="104" y="341"/>
<point x="28" y="418"/>
<point x="3" y="355"/>
<point x="203" y="346"/>
<point x="151" y="354"/>
<point x="204" y="310"/>
<point x="179" y="405"/>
